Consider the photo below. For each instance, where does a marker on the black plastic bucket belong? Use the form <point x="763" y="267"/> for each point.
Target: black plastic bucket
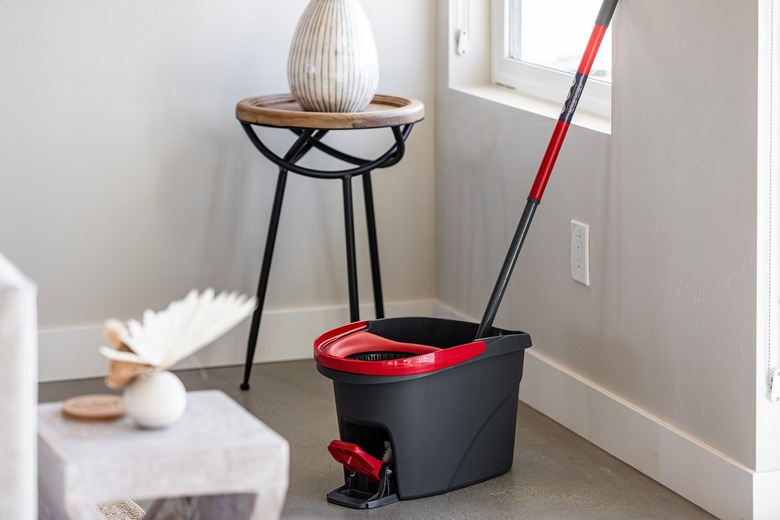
<point x="449" y="424"/>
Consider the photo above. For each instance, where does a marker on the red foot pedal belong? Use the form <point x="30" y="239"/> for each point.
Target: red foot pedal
<point x="352" y="457"/>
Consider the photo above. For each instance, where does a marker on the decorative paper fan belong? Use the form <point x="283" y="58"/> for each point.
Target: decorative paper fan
<point x="166" y="337"/>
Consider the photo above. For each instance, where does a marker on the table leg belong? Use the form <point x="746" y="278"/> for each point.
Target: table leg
<point x="306" y="140"/>
<point x="349" y="234"/>
<point x="373" y="246"/>
<point x="265" y="270"/>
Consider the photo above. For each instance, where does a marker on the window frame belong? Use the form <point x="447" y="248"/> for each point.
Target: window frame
<point x="537" y="81"/>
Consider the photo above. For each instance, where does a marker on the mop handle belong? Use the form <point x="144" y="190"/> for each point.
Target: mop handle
<point x="548" y="162"/>
<point x="573" y="98"/>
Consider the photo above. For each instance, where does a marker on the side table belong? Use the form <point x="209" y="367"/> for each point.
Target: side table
<point x="398" y="114"/>
<point x="232" y="463"/>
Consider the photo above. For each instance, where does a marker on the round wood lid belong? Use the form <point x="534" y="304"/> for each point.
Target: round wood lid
<point x="95" y="407"/>
<point x="281" y="110"/>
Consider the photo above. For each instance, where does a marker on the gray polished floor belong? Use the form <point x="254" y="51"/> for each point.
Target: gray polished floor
<point x="556" y="474"/>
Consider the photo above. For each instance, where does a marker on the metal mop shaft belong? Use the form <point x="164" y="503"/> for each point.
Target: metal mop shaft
<point x="548" y="162"/>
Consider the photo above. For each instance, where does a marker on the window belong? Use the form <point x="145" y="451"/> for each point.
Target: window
<point x="536" y="50"/>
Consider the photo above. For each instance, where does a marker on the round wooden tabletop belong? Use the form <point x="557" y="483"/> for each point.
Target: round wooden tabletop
<point x="281" y="110"/>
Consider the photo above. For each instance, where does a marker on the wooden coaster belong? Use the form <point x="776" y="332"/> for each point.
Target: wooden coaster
<point x="96" y="407"/>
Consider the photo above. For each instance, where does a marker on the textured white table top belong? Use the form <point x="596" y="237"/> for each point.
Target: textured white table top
<point x="212" y="421"/>
<point x="217" y="447"/>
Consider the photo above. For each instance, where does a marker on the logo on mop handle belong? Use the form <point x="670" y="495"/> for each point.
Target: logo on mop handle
<point x="575" y="91"/>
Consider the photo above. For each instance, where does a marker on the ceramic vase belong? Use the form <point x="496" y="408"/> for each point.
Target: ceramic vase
<point x="333" y="64"/>
<point x="155" y="399"/>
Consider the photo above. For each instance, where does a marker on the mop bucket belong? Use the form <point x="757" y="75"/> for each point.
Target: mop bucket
<point x="422" y="407"/>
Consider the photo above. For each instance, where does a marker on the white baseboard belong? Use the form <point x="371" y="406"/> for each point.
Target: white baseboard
<point x="766" y="499"/>
<point x="706" y="477"/>
<point x="285" y="335"/>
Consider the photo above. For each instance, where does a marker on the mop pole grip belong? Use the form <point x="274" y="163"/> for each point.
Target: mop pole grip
<point x="567" y="113"/>
<point x="570" y="105"/>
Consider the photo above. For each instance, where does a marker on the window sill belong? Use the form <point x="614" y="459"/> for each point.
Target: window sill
<point x="513" y="99"/>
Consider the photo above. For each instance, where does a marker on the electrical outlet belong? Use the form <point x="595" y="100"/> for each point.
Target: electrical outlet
<point x="580" y="252"/>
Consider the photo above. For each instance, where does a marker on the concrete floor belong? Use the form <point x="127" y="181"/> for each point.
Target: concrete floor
<point x="556" y="474"/>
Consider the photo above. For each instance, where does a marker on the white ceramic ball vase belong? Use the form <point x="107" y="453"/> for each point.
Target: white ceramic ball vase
<point x="333" y="64"/>
<point x="155" y="399"/>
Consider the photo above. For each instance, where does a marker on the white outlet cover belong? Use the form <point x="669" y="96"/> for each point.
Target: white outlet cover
<point x="580" y="252"/>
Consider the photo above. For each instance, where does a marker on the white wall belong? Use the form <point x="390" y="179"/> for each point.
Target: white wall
<point x="125" y="179"/>
<point x="685" y="179"/>
<point x="666" y="333"/>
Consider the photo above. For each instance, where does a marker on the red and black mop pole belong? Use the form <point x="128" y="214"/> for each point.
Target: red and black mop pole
<point x="548" y="162"/>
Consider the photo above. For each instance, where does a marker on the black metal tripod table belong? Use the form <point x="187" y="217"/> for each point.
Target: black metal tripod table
<point x="398" y="114"/>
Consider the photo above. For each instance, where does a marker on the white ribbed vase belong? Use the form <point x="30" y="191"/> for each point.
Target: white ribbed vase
<point x="333" y="64"/>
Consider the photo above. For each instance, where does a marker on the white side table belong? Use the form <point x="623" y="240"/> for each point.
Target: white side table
<point x="218" y="452"/>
